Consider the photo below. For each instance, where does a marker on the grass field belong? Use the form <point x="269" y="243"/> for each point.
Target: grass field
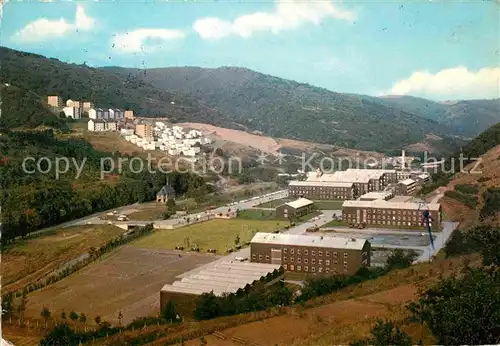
<point x="275" y="203"/>
<point x="127" y="280"/>
<point x="31" y="259"/>
<point x="217" y="234"/>
<point x="329" y="205"/>
<point x="257" y="214"/>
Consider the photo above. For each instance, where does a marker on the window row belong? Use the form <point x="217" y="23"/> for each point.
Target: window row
<point x="292" y="251"/>
<point x="298" y="268"/>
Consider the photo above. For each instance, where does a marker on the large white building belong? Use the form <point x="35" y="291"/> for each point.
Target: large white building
<point x="73" y="112"/>
<point x="96" y="125"/>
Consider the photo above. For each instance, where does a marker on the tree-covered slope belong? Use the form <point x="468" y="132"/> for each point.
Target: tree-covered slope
<point x="284" y="108"/>
<point x="467" y="118"/>
<point x="25" y="108"/>
<point x="44" y="76"/>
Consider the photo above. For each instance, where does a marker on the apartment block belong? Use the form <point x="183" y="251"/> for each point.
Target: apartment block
<point x="96" y="125"/>
<point x="318" y="190"/>
<point x="55" y="101"/>
<point x="96" y="113"/>
<point x="87" y="106"/>
<point x="115" y="113"/>
<point x="111" y="125"/>
<point x="73" y="112"/>
<point x="144" y="130"/>
<point x="129" y="114"/>
<point x="311" y="254"/>
<point x="422" y="179"/>
<point x="406" y="187"/>
<point x="75" y="104"/>
<point x="380" y="212"/>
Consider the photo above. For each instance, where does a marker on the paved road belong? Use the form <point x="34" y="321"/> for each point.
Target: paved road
<point x="427" y="251"/>
<point x="436" y="198"/>
<point x="243" y="204"/>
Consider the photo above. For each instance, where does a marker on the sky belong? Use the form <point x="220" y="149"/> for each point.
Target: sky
<point x="441" y="50"/>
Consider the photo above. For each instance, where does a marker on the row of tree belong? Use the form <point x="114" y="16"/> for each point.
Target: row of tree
<point x="255" y="299"/>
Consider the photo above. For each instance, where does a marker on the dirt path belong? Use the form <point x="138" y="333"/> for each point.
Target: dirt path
<point x="288" y="329"/>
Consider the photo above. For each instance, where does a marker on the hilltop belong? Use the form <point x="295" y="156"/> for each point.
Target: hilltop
<point x="242" y="99"/>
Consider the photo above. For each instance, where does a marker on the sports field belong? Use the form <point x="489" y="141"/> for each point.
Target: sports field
<point x="127" y="280"/>
<point x="217" y="234"/>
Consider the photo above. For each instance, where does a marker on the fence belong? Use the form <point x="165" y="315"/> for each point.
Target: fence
<point x="47" y="325"/>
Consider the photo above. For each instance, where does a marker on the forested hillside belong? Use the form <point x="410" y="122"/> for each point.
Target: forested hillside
<point x="467" y="118"/>
<point x="25" y="108"/>
<point x="284" y="108"/>
<point x="43" y="76"/>
<point x="469" y="153"/>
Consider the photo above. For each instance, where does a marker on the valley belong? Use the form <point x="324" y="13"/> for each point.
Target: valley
<point x="280" y="252"/>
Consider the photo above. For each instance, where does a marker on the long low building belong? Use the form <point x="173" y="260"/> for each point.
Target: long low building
<point x="311" y="254"/>
<point x="295" y="209"/>
<point x="364" y="180"/>
<point x="221" y="278"/>
<point x="319" y="190"/>
<point x="372" y="196"/>
<point x="381" y="212"/>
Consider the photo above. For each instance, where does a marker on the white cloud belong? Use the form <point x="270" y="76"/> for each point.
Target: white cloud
<point x="452" y="83"/>
<point x="44" y="29"/>
<point x="137" y="40"/>
<point x="288" y="14"/>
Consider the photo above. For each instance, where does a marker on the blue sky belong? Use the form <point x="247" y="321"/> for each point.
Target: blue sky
<point x="439" y="50"/>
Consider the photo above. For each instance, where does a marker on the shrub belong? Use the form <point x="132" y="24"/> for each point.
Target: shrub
<point x="468" y="200"/>
<point x="385" y="333"/>
<point x="491" y="202"/>
<point x="467" y="188"/>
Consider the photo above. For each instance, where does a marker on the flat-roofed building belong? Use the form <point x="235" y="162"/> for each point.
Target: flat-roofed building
<point x="96" y="113"/>
<point x="422" y="179"/>
<point x="73" y="112"/>
<point x="406" y="187"/>
<point x="221" y="278"/>
<point x="96" y="125"/>
<point x="295" y="209"/>
<point x="144" y="130"/>
<point x="311" y="254"/>
<point x="372" y="196"/>
<point x="87" y="106"/>
<point x="76" y="104"/>
<point x="387" y="213"/>
<point x="364" y="180"/>
<point x="55" y="101"/>
<point x="318" y="190"/>
<point x="129" y="114"/>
